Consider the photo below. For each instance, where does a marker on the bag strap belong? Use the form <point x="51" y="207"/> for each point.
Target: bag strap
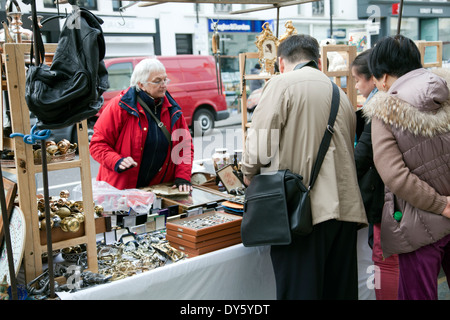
<point x="158" y="122"/>
<point x="37" y="41"/>
<point x="327" y="135"/>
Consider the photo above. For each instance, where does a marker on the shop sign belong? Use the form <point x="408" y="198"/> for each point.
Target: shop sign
<point x="338" y="33"/>
<point x="253" y="26"/>
<point x="431" y="10"/>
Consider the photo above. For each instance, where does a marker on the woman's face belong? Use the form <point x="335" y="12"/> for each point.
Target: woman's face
<point x="363" y="85"/>
<point x="156" y="84"/>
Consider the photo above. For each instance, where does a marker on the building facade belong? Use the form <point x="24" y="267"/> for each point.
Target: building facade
<point x="421" y="20"/>
<point x="131" y="29"/>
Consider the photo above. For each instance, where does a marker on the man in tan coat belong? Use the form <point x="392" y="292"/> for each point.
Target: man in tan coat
<point x="286" y="131"/>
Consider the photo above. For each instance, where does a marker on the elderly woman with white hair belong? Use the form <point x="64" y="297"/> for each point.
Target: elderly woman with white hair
<point x="141" y="137"/>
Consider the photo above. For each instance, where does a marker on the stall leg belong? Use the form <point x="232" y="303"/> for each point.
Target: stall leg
<point x="12" y="273"/>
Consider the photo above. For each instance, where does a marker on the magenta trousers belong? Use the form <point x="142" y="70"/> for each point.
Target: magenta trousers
<point x="419" y="270"/>
<point x="387" y="289"/>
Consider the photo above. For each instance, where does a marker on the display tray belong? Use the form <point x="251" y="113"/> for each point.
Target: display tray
<point x="201" y="244"/>
<point x="200" y="196"/>
<point x="70" y="155"/>
<point x="102" y="224"/>
<point x="206" y="223"/>
<point x="196" y="252"/>
<point x="206" y="237"/>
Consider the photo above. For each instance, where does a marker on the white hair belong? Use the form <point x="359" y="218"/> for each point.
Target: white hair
<point x="143" y="70"/>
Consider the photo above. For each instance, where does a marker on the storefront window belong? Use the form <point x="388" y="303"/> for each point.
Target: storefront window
<point x="184" y="43"/>
<point x="318" y="8"/>
<point x="409" y="27"/>
<point x="88" y="4"/>
<point x="49" y="4"/>
<point x="117" y="4"/>
<point x="222" y="7"/>
<point x="444" y="36"/>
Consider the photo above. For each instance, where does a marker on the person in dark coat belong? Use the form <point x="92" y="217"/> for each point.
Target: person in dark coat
<point x="371" y="185"/>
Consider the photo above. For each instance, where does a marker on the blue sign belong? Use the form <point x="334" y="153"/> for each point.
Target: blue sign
<point x="254" y="26"/>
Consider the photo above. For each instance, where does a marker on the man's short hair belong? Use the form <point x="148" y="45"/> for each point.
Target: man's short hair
<point x="299" y="47"/>
<point x="395" y="56"/>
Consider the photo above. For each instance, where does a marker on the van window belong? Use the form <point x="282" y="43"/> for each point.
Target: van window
<point x="119" y="75"/>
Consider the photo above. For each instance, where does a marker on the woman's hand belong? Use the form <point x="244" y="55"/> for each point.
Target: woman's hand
<point x="127" y="163"/>
<point x="446" y="212"/>
<point x="182" y="185"/>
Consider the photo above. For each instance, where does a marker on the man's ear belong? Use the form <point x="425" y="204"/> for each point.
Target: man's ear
<point x="320" y="64"/>
<point x="281" y="64"/>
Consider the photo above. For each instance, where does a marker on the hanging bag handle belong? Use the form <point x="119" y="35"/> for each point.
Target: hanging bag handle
<point x="37" y="43"/>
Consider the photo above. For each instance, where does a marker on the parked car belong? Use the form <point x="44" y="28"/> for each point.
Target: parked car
<point x="193" y="85"/>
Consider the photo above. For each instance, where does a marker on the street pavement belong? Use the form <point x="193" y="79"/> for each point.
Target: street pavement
<point x="235" y="118"/>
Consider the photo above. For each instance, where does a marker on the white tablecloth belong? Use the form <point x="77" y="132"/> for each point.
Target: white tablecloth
<point x="233" y="273"/>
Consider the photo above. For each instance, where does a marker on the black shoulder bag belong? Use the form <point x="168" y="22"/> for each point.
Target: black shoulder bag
<point x="277" y="204"/>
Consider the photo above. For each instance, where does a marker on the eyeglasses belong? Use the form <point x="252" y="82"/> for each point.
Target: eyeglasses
<point x="166" y="81"/>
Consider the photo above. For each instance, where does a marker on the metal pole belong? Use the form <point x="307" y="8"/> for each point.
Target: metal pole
<point x="12" y="273"/>
<point x="278" y="21"/>
<point x="400" y="14"/>
<point x="331" y="19"/>
<point x="48" y="227"/>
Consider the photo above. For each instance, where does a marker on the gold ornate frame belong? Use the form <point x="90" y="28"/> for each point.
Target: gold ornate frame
<point x="267" y="45"/>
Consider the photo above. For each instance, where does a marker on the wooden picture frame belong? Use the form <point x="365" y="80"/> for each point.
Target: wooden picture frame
<point x="229" y="179"/>
<point x="10" y="188"/>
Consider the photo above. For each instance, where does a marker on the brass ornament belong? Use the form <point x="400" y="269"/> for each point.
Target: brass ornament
<point x="290" y="30"/>
<point x="98" y="210"/>
<point x="63" y="146"/>
<point x="64" y="194"/>
<point x="267" y="45"/>
<point x="70" y="224"/>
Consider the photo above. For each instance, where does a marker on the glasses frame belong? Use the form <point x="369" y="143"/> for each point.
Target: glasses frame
<point x="166" y="82"/>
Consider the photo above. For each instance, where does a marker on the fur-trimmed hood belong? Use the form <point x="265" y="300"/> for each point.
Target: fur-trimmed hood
<point x="418" y="102"/>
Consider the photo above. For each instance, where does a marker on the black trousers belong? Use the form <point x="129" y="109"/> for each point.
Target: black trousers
<point x="319" y="266"/>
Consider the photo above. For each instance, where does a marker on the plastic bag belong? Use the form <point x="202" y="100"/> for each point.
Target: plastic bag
<point x="113" y="199"/>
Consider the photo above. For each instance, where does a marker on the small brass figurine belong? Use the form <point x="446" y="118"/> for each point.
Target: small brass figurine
<point x="290" y="30"/>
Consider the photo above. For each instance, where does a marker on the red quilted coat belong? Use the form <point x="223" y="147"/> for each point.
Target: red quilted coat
<point x="121" y="131"/>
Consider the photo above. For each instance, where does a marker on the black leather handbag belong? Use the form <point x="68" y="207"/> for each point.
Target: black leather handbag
<point x="277" y="204"/>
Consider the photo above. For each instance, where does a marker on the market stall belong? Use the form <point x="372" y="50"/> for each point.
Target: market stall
<point x="173" y="245"/>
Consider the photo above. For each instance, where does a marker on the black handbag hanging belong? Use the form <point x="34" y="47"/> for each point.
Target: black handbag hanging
<point x="70" y="90"/>
<point x="277" y="204"/>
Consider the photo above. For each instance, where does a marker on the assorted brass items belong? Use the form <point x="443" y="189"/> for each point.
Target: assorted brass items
<point x="65" y="213"/>
<point x="61" y="151"/>
<point x="215" y="45"/>
<point x="290" y="30"/>
<point x="64" y="150"/>
<point x="267" y="45"/>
